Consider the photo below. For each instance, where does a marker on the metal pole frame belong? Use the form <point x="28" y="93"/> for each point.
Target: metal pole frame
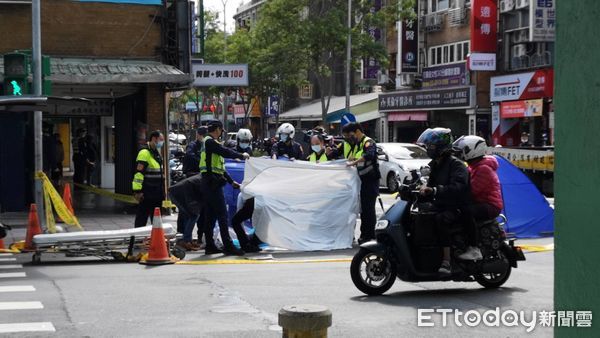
<point x="36" y="35"/>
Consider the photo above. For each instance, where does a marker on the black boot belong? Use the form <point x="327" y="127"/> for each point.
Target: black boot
<point x="211" y="249"/>
<point x="230" y="250"/>
<point x="249" y="248"/>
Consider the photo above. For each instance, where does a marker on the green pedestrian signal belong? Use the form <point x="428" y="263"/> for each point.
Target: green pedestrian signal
<point x="16" y="89"/>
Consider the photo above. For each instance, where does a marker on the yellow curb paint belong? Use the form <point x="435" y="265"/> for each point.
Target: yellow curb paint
<point x="251" y="261"/>
<point x="536" y="248"/>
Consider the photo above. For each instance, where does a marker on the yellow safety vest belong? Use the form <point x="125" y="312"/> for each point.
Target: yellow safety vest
<point x="313" y="158"/>
<point x="367" y="166"/>
<point x="217" y="162"/>
<point x="151" y="177"/>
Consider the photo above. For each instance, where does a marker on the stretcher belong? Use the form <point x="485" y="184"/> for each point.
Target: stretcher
<point x="116" y="244"/>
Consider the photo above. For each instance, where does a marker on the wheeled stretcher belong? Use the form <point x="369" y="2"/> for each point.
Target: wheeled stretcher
<point x="117" y="244"/>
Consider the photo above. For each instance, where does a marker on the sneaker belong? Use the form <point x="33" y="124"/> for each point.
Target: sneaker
<point x="188" y="246"/>
<point x="472" y="254"/>
<point x="445" y="268"/>
<point x="211" y="250"/>
<point x="231" y="250"/>
<point x="252" y="248"/>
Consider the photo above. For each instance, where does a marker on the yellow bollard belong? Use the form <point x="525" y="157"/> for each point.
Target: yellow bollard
<point x="304" y="321"/>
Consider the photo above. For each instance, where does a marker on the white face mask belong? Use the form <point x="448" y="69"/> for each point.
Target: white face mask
<point x="284" y="137"/>
<point x="244" y="145"/>
<point x="316" y="148"/>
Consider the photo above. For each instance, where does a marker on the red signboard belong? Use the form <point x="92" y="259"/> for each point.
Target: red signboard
<point x="523" y="108"/>
<point x="531" y="85"/>
<point x="484" y="26"/>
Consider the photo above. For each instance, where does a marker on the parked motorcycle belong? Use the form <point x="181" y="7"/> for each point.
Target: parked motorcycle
<point x="176" y="168"/>
<point x="406" y="247"/>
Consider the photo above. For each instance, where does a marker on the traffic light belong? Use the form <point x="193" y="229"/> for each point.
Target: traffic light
<point x="15" y="86"/>
<point x="16" y="70"/>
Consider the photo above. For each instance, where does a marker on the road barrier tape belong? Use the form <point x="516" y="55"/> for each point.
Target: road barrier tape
<point x="253" y="261"/>
<point x="118" y="197"/>
<point x="536" y="248"/>
<point x="53" y="199"/>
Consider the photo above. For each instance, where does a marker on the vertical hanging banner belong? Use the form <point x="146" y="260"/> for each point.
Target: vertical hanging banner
<point x="372" y="67"/>
<point x="484" y="40"/>
<point x="409" y="44"/>
<point x="542" y="20"/>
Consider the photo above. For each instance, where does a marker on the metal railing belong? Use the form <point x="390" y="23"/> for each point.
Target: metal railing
<point x="457" y="17"/>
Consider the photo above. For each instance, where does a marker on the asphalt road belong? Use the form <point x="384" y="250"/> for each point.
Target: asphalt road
<point x="91" y="298"/>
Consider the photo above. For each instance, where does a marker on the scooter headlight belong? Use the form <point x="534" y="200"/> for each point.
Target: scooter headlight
<point x="382" y="224"/>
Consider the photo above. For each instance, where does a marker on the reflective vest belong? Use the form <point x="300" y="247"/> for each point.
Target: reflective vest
<point x="313" y="158"/>
<point x="367" y="166"/>
<point x="149" y="179"/>
<point x="348" y="150"/>
<point x="211" y="163"/>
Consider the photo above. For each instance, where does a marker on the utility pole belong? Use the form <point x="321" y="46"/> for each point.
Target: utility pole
<point x="36" y="34"/>
<point x="224" y="2"/>
<point x="348" y="56"/>
<point x="201" y="26"/>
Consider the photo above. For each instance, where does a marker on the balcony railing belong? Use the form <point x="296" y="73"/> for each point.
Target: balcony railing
<point x="434" y="22"/>
<point x="457" y="17"/>
<point x="533" y="61"/>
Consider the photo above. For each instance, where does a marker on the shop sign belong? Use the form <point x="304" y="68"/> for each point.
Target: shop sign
<point x="542" y="20"/>
<point x="482" y="61"/>
<point x="527" y="159"/>
<point x="462" y="97"/>
<point x="445" y="76"/>
<point x="532" y="85"/>
<point x="522" y="108"/>
<point x="409" y="43"/>
<point x="484" y="26"/>
<point x="220" y="75"/>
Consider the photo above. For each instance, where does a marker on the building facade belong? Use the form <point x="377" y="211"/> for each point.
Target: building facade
<point x="124" y="56"/>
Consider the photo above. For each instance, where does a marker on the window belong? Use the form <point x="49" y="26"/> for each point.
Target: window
<point x="447" y="54"/>
<point x="438" y="5"/>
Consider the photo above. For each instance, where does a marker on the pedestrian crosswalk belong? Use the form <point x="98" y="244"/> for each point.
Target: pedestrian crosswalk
<point x="13" y="281"/>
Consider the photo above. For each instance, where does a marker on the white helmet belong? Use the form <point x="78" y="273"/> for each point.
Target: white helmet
<point x="286" y="128"/>
<point x="470" y="147"/>
<point x="244" y="135"/>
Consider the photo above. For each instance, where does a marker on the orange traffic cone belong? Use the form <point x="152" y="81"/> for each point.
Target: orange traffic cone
<point x="158" y="253"/>
<point x="67" y="198"/>
<point x="33" y="228"/>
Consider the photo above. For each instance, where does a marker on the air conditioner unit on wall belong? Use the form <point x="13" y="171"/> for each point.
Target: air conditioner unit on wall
<point x="520" y="36"/>
<point x="507" y="5"/>
<point x="519" y="50"/>
<point x="522" y="4"/>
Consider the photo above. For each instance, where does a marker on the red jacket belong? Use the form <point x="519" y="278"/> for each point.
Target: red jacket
<point x="485" y="185"/>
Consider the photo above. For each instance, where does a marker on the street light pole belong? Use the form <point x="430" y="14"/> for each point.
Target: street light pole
<point x="36" y="35"/>
<point x="224" y="2"/>
<point x="349" y="56"/>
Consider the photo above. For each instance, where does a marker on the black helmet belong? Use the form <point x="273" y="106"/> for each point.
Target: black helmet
<point x="437" y="141"/>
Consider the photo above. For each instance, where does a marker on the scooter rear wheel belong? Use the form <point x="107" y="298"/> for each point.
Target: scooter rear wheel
<point x="377" y="276"/>
<point x="493" y="280"/>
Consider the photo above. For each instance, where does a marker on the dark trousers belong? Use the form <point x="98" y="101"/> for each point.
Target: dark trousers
<point x="444" y="220"/>
<point x="243" y="214"/>
<point x="215" y="210"/>
<point x="369" y="190"/>
<point x="474" y="213"/>
<point x="146" y="209"/>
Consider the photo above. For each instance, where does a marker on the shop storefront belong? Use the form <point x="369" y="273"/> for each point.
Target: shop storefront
<point x="410" y="112"/>
<point x="522" y="111"/>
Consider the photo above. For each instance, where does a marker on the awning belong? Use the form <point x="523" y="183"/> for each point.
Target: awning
<point x="407" y="116"/>
<point x="40" y="103"/>
<point x="362" y="104"/>
<point x="104" y="71"/>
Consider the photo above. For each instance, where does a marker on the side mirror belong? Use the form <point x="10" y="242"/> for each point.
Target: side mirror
<point x="383" y="157"/>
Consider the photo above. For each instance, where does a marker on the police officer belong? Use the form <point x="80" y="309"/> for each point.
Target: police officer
<point x="244" y="141"/>
<point x="287" y="147"/>
<point x="148" y="181"/>
<point x="364" y="157"/>
<point x="214" y="177"/>
<point x="318" y="150"/>
<point x="191" y="160"/>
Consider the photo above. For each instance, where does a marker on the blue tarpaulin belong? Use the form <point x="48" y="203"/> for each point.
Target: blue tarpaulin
<point x="527" y="211"/>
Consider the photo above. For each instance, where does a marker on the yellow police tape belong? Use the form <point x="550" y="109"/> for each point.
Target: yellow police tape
<point x="53" y="199"/>
<point x="118" y="197"/>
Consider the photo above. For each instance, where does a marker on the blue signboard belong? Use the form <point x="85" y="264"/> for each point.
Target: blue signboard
<point x="273" y="106"/>
<point x="347" y="118"/>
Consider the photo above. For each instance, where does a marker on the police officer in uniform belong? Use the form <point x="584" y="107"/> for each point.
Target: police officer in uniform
<point x="148" y="181"/>
<point x="214" y="177"/>
<point x="364" y="157"/>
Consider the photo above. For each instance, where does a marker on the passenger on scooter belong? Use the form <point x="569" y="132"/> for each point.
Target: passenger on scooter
<point x="448" y="185"/>
<point x="485" y="188"/>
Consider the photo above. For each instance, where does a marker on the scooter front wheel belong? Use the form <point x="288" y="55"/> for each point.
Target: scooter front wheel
<point x="372" y="273"/>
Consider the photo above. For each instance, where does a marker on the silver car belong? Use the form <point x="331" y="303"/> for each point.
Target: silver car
<point x="396" y="160"/>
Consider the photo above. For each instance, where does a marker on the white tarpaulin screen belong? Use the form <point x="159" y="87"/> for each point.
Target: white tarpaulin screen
<point x="303" y="206"/>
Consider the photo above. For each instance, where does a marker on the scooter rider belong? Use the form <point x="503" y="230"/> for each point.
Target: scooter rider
<point x="485" y="188"/>
<point x="448" y="185"/>
<point x="244" y="141"/>
<point x="286" y="146"/>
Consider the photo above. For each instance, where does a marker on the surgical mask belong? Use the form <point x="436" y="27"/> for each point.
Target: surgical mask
<point x="159" y="144"/>
<point x="284" y="137"/>
<point x="316" y="148"/>
<point x="524" y="140"/>
<point x="244" y="145"/>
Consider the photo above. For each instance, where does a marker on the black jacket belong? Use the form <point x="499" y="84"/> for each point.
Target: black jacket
<point x="187" y="195"/>
<point x="450" y="177"/>
<point x="292" y="150"/>
<point x="191" y="160"/>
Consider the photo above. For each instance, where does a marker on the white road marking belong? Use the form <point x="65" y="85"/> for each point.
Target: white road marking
<point x="7" y="259"/>
<point x="17" y="288"/>
<point x="21" y="305"/>
<point x="5" y="254"/>
<point x="12" y="274"/>
<point x="11" y="266"/>
<point x="27" y="327"/>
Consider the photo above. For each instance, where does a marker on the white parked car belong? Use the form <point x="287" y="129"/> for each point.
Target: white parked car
<point x="396" y="160"/>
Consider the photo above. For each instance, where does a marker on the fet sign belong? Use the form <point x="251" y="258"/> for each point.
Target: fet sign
<point x="532" y="85"/>
<point x="483" y="26"/>
<point x="220" y="75"/>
